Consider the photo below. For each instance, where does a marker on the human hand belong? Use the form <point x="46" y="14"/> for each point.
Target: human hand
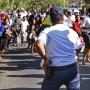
<point x="46" y="66"/>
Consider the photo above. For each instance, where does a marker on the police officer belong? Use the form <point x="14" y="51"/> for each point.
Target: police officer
<point x="58" y="45"/>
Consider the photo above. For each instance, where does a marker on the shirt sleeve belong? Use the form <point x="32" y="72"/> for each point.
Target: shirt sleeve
<point x="78" y="43"/>
<point x="43" y="37"/>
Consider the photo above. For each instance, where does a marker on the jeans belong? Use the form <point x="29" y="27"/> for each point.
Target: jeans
<point x="70" y="78"/>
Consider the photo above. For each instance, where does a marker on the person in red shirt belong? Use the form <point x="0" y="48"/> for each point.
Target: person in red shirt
<point x="77" y="25"/>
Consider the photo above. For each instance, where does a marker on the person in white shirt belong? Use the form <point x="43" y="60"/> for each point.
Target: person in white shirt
<point x="57" y="45"/>
<point x="24" y="26"/>
<point x="69" y="18"/>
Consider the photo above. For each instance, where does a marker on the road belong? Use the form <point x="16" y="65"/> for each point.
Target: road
<point x="20" y="70"/>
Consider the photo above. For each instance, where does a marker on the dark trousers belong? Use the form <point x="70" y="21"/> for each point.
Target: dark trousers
<point x="68" y="77"/>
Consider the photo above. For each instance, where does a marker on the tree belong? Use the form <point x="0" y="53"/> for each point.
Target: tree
<point x="33" y="4"/>
<point x="4" y="3"/>
<point x="44" y="3"/>
<point x="0" y="3"/>
<point x="87" y="2"/>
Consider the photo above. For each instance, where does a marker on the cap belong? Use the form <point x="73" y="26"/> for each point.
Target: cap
<point x="56" y="12"/>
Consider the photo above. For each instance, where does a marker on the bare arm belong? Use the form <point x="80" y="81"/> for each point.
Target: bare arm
<point x="42" y="52"/>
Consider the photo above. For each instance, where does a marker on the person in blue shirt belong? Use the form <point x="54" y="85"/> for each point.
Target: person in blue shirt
<point x="3" y="36"/>
<point x="2" y="31"/>
<point x="57" y="45"/>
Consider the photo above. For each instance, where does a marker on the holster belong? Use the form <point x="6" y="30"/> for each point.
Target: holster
<point x="48" y="72"/>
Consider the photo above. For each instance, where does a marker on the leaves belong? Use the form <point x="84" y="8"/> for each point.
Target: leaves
<point x="34" y="4"/>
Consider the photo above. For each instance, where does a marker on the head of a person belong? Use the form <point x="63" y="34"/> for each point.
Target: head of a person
<point x="56" y="15"/>
<point x="77" y="17"/>
<point x="6" y="21"/>
<point x="24" y="18"/>
<point x="3" y="16"/>
<point x="19" y="16"/>
<point x="69" y="12"/>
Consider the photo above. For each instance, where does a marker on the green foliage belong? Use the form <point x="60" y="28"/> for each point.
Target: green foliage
<point x="87" y="2"/>
<point x="88" y="5"/>
<point x="35" y="4"/>
<point x="4" y="3"/>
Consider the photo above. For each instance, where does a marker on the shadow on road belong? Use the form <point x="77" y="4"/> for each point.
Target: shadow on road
<point x="20" y="65"/>
<point x="20" y="59"/>
<point x="20" y="54"/>
<point x="17" y="50"/>
<point x="22" y="89"/>
<point x="29" y="75"/>
<point x="27" y="89"/>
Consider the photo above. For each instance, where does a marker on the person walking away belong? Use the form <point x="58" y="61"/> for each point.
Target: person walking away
<point x="57" y="45"/>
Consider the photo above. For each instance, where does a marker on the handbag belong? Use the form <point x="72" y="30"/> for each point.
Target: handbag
<point x="8" y="33"/>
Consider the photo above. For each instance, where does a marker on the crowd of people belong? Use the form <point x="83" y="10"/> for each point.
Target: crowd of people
<point x="58" y="34"/>
<point x="21" y="27"/>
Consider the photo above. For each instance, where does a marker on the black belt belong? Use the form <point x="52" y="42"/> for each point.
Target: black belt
<point x="62" y="68"/>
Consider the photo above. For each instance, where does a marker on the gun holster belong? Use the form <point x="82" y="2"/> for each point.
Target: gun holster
<point x="48" y="72"/>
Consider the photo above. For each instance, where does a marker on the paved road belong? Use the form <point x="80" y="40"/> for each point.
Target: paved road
<point x="20" y="70"/>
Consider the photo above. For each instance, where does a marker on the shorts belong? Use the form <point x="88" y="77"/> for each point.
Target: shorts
<point x="86" y="38"/>
<point x="3" y="43"/>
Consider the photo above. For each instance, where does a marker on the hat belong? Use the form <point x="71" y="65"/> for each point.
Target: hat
<point x="56" y="12"/>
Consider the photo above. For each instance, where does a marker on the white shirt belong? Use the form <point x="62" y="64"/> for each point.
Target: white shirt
<point x="61" y="42"/>
<point x="24" y="25"/>
<point x="69" y="21"/>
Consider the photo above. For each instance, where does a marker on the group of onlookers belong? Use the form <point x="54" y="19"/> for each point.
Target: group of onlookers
<point x="80" y="22"/>
<point x="24" y="27"/>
